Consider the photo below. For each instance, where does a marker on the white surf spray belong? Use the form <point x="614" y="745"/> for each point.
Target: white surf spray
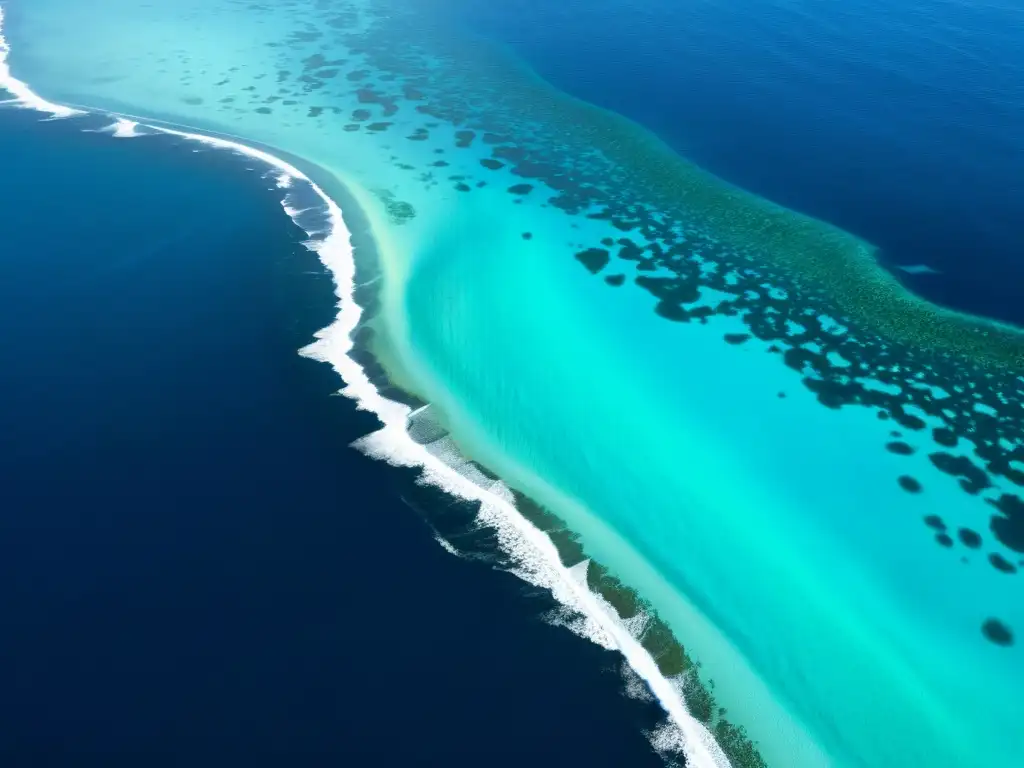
<point x="535" y="557"/>
<point x="121" y="128"/>
<point x="125" y="129"/>
<point x="284" y="181"/>
<point x="21" y="94"/>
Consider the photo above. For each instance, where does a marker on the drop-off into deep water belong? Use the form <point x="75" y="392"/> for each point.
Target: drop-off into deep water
<point x="812" y="476"/>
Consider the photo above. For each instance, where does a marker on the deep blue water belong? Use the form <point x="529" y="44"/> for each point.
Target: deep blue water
<point x="901" y="121"/>
<point x="194" y="565"/>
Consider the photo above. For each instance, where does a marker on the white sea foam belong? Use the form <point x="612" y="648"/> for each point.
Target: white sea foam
<point x="121" y="128"/>
<point x="635" y="687"/>
<point x="21" y="94"/>
<point x="447" y="545"/>
<point x="125" y="129"/>
<point x="535" y="557"/>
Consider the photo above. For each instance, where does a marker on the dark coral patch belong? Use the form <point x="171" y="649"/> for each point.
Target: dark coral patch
<point x="909" y="484"/>
<point x="615" y="280"/>
<point x="630" y="250"/>
<point x="830" y="394"/>
<point x="1015" y="476"/>
<point x="607" y="241"/>
<point x="969" y="538"/>
<point x="399" y="211"/>
<point x="910" y="421"/>
<point x="463" y="187"/>
<point x="512" y="154"/>
<point x="904" y="419"/>
<point x="594" y="259"/>
<point x="378" y="126"/>
<point x="492" y="164"/>
<point x="899" y="447"/>
<point x="527" y="235"/>
<point x="997" y="632"/>
<point x="1000" y="563"/>
<point x="671" y="311"/>
<point x="945" y="437"/>
<point x="972" y="479"/>
<point x="1009" y="527"/>
<point x="670" y="290"/>
<point x="521" y="189"/>
<point x="944" y="539"/>
<point x="464" y="139"/>
<point x="736" y="338"/>
<point x="369" y="96"/>
<point x="934" y="521"/>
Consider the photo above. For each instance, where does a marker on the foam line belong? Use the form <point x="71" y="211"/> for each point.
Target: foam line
<point x="21" y="93"/>
<point x="533" y="552"/>
<point x="125" y="129"/>
<point x="121" y="128"/>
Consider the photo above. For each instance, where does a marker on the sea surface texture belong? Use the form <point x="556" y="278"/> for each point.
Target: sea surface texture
<point x="752" y="428"/>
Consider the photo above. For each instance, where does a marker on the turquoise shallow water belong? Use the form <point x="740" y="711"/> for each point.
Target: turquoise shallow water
<point x="783" y="475"/>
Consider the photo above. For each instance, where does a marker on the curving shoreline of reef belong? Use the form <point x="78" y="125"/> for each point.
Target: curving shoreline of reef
<point x="885" y="365"/>
<point x="654" y="656"/>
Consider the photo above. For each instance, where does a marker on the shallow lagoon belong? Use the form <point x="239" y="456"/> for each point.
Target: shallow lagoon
<point x="744" y="420"/>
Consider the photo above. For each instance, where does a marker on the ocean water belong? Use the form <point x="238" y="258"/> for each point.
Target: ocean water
<point x="896" y="121"/>
<point x="196" y="565"/>
<point x="742" y="420"/>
